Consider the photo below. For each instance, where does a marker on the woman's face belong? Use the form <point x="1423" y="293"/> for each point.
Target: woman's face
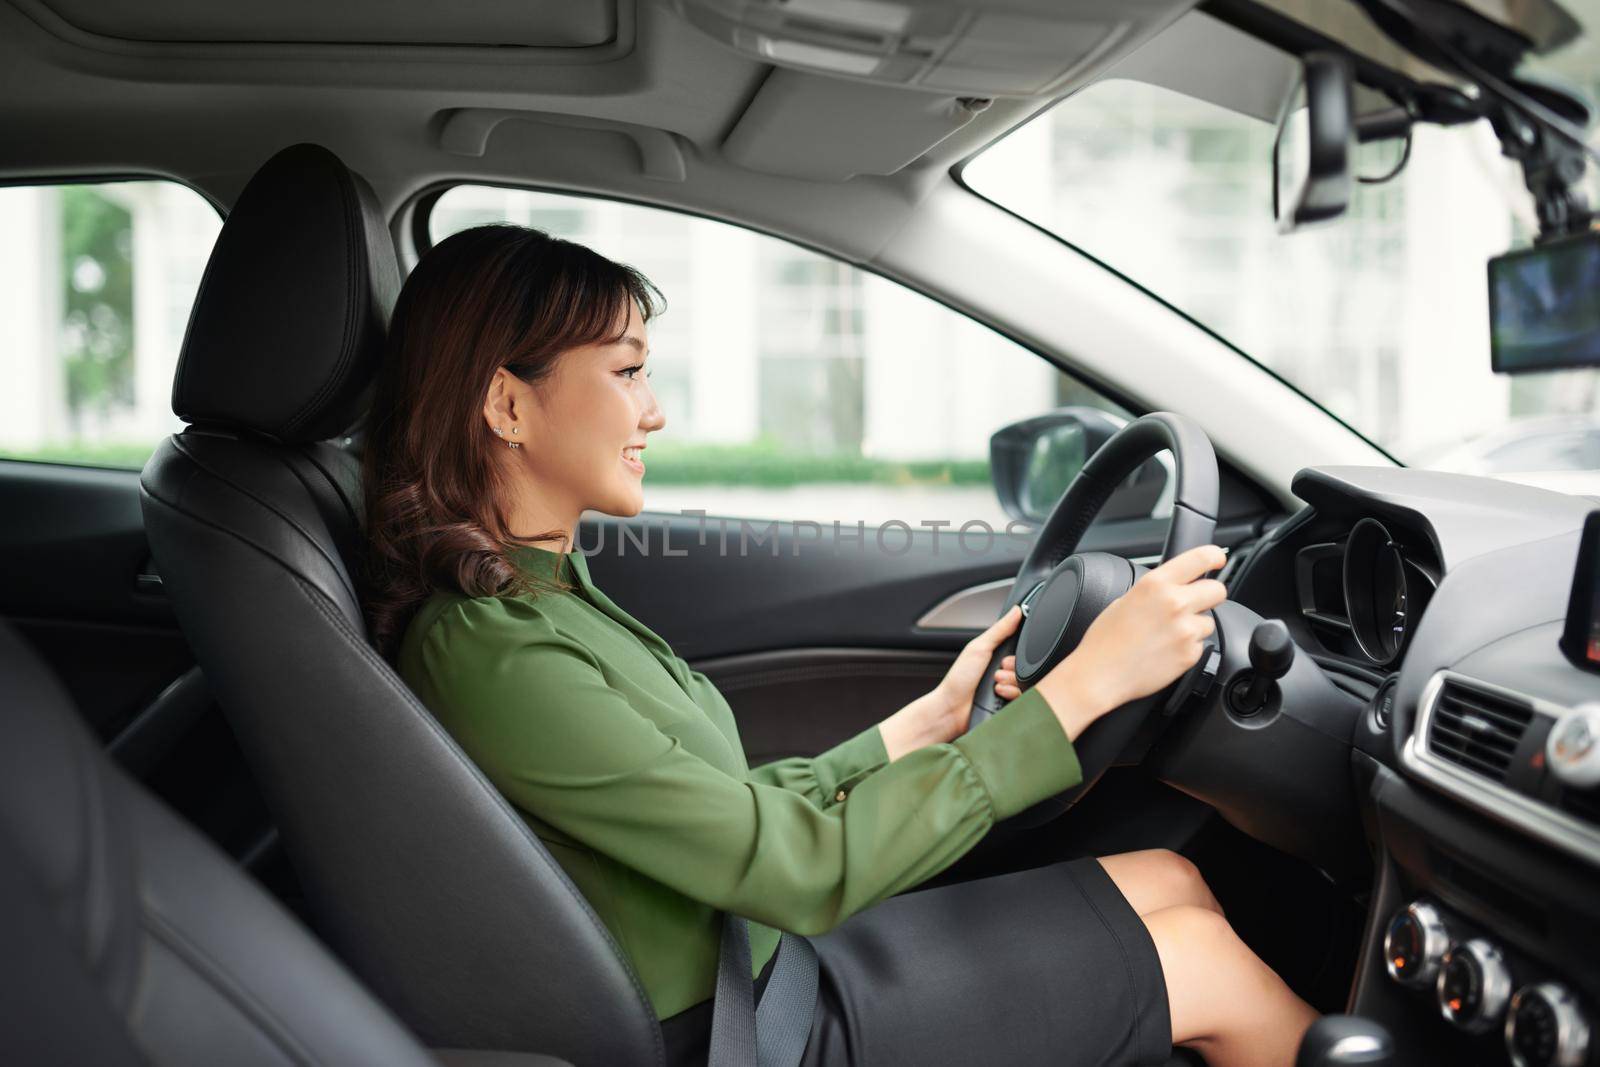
<point x="582" y="430"/>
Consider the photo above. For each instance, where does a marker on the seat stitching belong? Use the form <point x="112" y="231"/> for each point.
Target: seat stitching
<point x="354" y="226"/>
<point x="180" y="447"/>
<point x="344" y="551"/>
<point x="358" y="576"/>
<point x="210" y="968"/>
<point x="162" y="501"/>
<point x="110" y="867"/>
<point x="338" y="486"/>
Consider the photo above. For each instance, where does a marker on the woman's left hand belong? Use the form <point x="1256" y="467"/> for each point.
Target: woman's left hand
<point x="960" y="684"/>
<point x="944" y="713"/>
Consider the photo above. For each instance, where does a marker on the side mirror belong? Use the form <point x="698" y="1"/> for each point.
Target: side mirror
<point x="1313" y="151"/>
<point x="1033" y="461"/>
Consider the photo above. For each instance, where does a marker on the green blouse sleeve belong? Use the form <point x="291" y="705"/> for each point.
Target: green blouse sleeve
<point x="821" y="778"/>
<point x="540" y="719"/>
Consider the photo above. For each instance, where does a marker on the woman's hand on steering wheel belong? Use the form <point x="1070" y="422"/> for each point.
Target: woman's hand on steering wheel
<point x="1144" y="640"/>
<point x="956" y="689"/>
<point x="942" y="713"/>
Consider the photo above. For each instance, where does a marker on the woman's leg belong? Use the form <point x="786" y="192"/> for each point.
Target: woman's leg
<point x="1156" y="878"/>
<point x="1226" y="1003"/>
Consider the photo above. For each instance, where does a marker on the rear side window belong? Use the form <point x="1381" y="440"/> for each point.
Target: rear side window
<point x="96" y="283"/>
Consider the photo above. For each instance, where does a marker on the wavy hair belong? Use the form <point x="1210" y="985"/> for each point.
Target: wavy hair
<point x="487" y="297"/>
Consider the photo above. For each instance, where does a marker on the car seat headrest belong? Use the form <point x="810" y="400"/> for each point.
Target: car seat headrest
<point x="289" y="324"/>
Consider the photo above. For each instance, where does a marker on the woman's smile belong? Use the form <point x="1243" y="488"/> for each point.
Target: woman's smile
<point x="633" y="457"/>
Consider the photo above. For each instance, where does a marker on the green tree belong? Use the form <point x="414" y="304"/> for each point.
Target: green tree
<point x="97" y="308"/>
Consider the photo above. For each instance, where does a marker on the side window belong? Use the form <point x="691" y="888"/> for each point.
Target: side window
<point x="795" y="386"/>
<point x="96" y="283"/>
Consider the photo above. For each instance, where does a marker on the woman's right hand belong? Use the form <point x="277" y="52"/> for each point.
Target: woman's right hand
<point x="1142" y="641"/>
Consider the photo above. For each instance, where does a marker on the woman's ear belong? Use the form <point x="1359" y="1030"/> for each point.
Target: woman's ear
<point x="497" y="408"/>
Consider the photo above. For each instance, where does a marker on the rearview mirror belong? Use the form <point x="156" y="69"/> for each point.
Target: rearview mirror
<point x="1033" y="461"/>
<point x="1315" y="143"/>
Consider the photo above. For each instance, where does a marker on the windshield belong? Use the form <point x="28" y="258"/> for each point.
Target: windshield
<point x="1381" y="317"/>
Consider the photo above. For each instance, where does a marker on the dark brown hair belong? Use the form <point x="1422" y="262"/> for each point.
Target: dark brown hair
<point x="488" y="297"/>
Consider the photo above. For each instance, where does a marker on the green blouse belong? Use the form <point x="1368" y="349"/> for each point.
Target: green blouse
<point x="628" y="765"/>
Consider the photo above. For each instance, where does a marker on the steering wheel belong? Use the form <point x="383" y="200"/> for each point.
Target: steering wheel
<point x="1062" y="591"/>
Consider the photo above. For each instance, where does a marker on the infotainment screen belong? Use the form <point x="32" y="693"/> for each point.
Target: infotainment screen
<point x="1581" y="638"/>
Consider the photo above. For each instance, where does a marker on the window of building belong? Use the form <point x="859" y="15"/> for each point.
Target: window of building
<point x="795" y="386"/>
<point x="96" y="283"/>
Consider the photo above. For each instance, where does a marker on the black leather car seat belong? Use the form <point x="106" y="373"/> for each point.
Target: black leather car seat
<point x="129" y="938"/>
<point x="417" y="872"/>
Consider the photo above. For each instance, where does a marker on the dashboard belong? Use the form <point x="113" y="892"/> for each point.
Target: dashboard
<point x="1436" y="604"/>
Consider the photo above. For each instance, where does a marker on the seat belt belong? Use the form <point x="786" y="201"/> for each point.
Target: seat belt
<point x="774" y="1035"/>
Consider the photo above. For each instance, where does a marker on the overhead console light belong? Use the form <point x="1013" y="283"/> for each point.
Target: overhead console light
<point x="800" y="54"/>
<point x="1009" y="48"/>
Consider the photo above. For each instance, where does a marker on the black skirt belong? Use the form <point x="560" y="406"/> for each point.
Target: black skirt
<point x="1044" y="966"/>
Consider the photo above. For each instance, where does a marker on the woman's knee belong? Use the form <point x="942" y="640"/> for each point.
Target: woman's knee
<point x="1157" y="878"/>
<point x="1188" y="884"/>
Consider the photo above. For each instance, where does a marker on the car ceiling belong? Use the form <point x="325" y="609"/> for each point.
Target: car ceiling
<point x="607" y="96"/>
<point x="623" y="97"/>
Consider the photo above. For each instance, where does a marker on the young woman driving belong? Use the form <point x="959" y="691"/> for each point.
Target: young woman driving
<point x="515" y="396"/>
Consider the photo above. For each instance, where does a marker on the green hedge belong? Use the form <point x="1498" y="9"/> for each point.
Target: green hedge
<point x="761" y="463"/>
<point x="117" y="454"/>
<point x="764" y="463"/>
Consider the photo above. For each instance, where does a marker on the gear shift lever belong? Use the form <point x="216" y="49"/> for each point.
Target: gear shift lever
<point x="1338" y="1040"/>
<point x="1271" y="655"/>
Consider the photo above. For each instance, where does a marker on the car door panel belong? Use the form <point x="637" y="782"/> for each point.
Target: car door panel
<point x="72" y="551"/>
<point x="816" y="639"/>
<point x="77" y="580"/>
<point x="707" y="600"/>
<point x="800" y="701"/>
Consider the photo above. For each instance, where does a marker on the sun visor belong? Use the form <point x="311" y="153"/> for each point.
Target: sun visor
<point x="805" y="126"/>
<point x="572" y="24"/>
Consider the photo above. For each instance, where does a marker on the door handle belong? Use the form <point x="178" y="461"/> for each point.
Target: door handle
<point x="147" y="582"/>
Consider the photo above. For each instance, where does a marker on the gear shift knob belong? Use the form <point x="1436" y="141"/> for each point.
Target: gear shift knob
<point x="1271" y="655"/>
<point x="1337" y="1040"/>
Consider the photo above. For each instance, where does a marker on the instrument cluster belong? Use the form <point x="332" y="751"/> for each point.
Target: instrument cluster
<point x="1364" y="594"/>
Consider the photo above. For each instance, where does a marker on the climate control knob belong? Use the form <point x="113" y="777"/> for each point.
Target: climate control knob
<point x="1546" y="1027"/>
<point x="1473" y="986"/>
<point x="1572" y="751"/>
<point x="1415" y="944"/>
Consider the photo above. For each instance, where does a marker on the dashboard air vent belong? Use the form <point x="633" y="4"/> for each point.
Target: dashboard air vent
<point x="1474" y="729"/>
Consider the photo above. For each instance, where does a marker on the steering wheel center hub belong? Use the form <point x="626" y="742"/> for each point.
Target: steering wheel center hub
<point x="1061" y="607"/>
